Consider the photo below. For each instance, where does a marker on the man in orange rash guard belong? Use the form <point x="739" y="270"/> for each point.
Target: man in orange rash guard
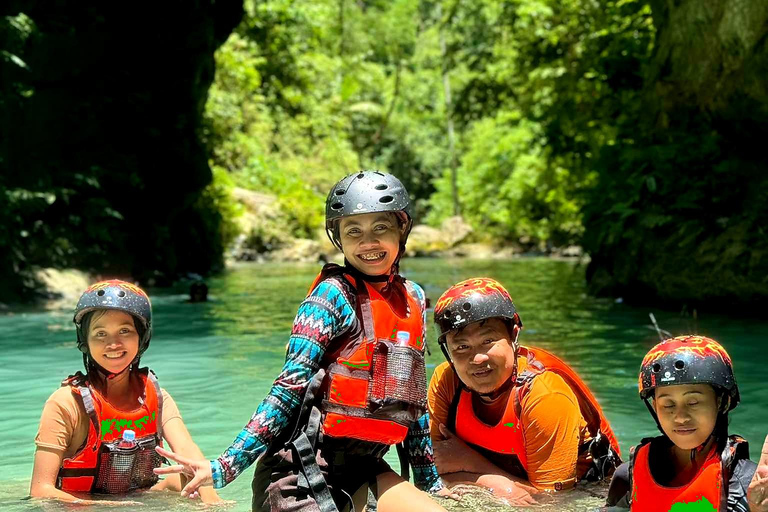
<point x="516" y="420"/>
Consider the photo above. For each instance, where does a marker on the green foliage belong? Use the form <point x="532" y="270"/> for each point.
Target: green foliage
<point x="101" y="168"/>
<point x="306" y="92"/>
<point x="557" y="138"/>
<point x="221" y="210"/>
<point x="680" y="218"/>
<point x="510" y="188"/>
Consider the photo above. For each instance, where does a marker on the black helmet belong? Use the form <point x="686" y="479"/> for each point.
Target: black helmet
<point x="688" y="360"/>
<point x="117" y="295"/>
<point x="470" y="301"/>
<point x="366" y="192"/>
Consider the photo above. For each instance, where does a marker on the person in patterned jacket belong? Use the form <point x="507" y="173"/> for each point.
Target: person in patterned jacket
<point x="354" y="380"/>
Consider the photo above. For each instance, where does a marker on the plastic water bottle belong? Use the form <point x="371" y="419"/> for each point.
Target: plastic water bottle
<point x="128" y="440"/>
<point x="403" y="337"/>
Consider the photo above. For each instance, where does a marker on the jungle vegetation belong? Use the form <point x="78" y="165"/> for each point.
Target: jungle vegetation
<point x="634" y="128"/>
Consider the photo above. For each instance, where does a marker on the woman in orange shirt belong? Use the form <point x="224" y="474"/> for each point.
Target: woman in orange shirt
<point x="98" y="431"/>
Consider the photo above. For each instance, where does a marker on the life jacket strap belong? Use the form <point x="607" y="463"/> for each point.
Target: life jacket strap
<point x="454" y="407"/>
<point x="156" y="385"/>
<point x="402" y="454"/>
<point x="88" y="403"/>
<point x="311" y="473"/>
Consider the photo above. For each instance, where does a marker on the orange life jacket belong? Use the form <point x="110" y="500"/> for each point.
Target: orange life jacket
<point x="710" y="483"/>
<point x="100" y="465"/>
<point x="507" y="436"/>
<point x="377" y="384"/>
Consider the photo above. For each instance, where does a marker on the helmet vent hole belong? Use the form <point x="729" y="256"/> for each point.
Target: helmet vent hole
<point x="121" y="293"/>
<point x="337" y="206"/>
<point x="360" y="176"/>
<point x="381" y="186"/>
<point x="467" y="306"/>
<point x="386" y="199"/>
<point x="679" y="365"/>
<point x="341" y="192"/>
<point x="100" y="293"/>
<point x="656" y="368"/>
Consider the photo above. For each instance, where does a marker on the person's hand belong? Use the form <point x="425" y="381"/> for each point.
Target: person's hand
<point x="508" y="490"/>
<point x="451" y="454"/>
<point x="445" y="492"/>
<point x="197" y="471"/>
<point x="757" y="494"/>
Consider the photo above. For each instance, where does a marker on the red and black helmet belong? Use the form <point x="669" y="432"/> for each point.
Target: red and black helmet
<point x="688" y="360"/>
<point x="470" y="301"/>
<point x="117" y="295"/>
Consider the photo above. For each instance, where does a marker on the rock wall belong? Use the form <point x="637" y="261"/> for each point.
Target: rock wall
<point x="678" y="213"/>
<point x="102" y="156"/>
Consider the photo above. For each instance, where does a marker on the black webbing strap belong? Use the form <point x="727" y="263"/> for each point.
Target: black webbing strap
<point x="153" y="379"/>
<point x="402" y="454"/>
<point x="76" y="472"/>
<point x="303" y="446"/>
<point x="311" y="471"/>
<point x="453" y="408"/>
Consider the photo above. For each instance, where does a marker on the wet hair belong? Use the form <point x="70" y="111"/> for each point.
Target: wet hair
<point x="720" y="432"/>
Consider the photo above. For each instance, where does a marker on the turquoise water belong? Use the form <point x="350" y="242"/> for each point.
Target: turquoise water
<point x="218" y="358"/>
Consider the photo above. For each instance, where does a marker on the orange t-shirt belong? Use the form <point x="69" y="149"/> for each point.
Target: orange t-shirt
<point x="64" y="423"/>
<point x="550" y="417"/>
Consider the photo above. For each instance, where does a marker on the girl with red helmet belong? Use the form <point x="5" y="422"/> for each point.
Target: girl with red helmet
<point x="98" y="431"/>
<point x="688" y="385"/>
<point x="354" y="380"/>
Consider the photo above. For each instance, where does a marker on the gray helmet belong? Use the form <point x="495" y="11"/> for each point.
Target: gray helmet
<point x="117" y="295"/>
<point x="366" y="192"/>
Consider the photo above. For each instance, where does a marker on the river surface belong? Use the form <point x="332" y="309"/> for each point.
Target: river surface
<point x="218" y="359"/>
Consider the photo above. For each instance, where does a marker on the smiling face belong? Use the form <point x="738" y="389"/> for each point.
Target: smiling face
<point x="113" y="340"/>
<point x="370" y="241"/>
<point x="483" y="354"/>
<point x="687" y="413"/>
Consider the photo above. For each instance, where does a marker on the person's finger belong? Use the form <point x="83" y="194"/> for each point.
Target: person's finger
<point x="444" y="430"/>
<point x="764" y="455"/>
<point x="173" y="456"/>
<point x="192" y="486"/>
<point x="169" y="470"/>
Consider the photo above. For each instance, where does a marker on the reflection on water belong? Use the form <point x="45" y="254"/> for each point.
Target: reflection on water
<point x="218" y="359"/>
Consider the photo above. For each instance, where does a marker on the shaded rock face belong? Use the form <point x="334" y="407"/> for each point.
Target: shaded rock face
<point x="107" y="126"/>
<point x="678" y="214"/>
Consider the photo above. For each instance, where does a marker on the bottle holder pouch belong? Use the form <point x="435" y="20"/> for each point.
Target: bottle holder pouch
<point x="398" y="378"/>
<point x="125" y="469"/>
